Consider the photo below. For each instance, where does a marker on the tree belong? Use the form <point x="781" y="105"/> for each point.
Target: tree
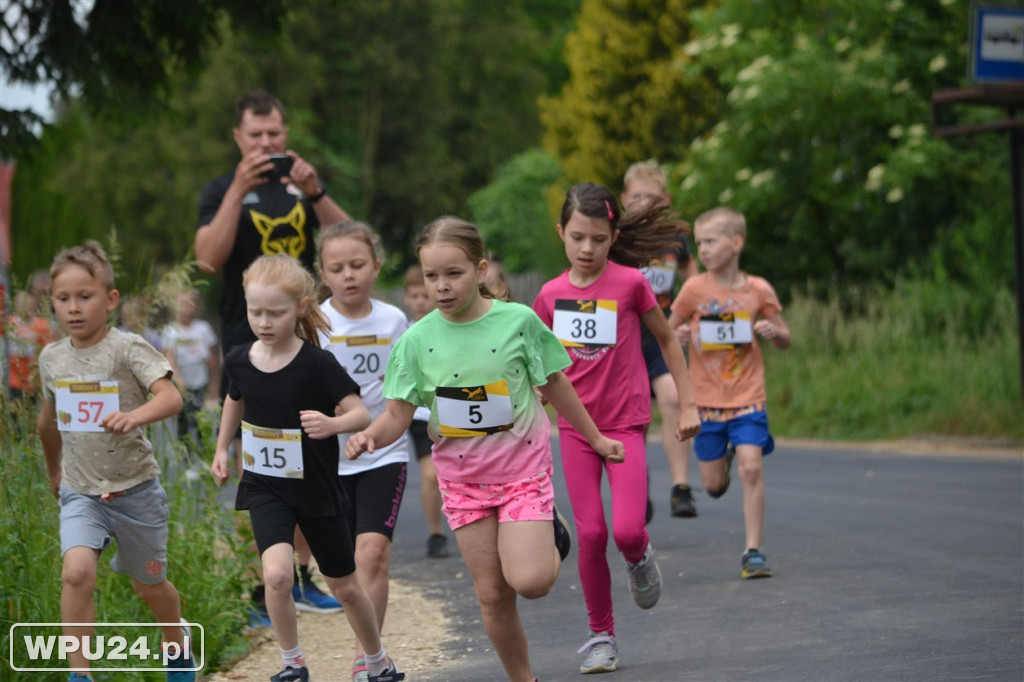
<point x="513" y="217"/>
<point x="824" y="143"/>
<point x="630" y="95"/>
<point x="118" y="56"/>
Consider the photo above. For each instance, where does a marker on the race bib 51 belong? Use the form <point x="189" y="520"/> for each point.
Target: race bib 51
<point x="723" y="331"/>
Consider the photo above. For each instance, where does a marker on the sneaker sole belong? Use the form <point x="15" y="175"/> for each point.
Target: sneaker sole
<point x="600" y="668"/>
<point x="759" y="573"/>
<point x="685" y="513"/>
<point x="308" y="608"/>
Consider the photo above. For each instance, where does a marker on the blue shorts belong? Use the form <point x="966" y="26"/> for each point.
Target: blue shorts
<point x="748" y="429"/>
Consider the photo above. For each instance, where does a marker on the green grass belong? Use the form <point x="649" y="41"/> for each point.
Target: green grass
<point x="919" y="359"/>
<point x="205" y="556"/>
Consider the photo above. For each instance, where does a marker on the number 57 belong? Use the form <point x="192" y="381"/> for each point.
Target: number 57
<point x="84" y="416"/>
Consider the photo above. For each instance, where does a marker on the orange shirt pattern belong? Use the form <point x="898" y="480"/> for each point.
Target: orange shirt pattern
<point x="732" y="377"/>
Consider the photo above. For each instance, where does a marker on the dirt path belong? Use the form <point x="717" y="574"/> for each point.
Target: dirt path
<point x="412" y="630"/>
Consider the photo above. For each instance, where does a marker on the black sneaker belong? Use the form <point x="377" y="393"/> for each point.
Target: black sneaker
<point x="291" y="675"/>
<point x="437" y="546"/>
<point x="681" y="502"/>
<point x="391" y="674"/>
<point x="563" y="536"/>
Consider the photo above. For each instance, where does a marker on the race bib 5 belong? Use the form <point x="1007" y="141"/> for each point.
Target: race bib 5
<point x="466" y="411"/>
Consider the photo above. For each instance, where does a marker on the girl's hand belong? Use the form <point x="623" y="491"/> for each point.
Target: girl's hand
<point x="688" y="424"/>
<point x="357" y="444"/>
<point x="317" y="424"/>
<point x="219" y="468"/>
<point x="611" y="450"/>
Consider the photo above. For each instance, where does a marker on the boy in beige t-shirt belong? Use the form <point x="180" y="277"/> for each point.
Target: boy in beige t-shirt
<point x="96" y="382"/>
<point x="720" y="313"/>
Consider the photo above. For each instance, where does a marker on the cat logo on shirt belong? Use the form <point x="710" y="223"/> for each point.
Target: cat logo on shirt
<point x="277" y="238"/>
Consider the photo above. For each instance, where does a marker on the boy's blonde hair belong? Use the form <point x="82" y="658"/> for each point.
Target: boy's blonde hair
<point x="645" y="171"/>
<point x="287" y="273"/>
<point x="90" y="256"/>
<point x="731" y="220"/>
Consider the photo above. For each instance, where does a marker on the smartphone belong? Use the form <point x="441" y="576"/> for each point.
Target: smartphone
<point x="282" y="166"/>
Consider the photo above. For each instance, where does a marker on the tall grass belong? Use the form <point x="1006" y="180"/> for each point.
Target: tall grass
<point x="920" y="358"/>
<point x="206" y="559"/>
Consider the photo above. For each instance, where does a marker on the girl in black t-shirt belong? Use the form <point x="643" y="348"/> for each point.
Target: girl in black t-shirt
<point x="291" y="399"/>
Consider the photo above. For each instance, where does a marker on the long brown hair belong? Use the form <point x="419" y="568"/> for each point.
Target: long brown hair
<point x="644" y="233"/>
<point x="286" y="272"/>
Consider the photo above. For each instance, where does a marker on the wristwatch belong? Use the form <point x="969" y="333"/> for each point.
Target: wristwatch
<point x="313" y="198"/>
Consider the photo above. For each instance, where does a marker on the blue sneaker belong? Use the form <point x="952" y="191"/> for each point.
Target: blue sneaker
<point x="186" y="675"/>
<point x="258" y="617"/>
<point x="308" y="597"/>
<point x="755" y="565"/>
<point x="79" y="677"/>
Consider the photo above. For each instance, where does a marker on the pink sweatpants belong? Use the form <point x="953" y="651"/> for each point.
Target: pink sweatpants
<point x="582" y="468"/>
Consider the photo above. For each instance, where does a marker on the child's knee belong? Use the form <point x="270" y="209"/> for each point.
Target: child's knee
<point x="148" y="591"/>
<point x="278" y="577"/>
<point x="78" y="570"/>
<point x="344" y="589"/>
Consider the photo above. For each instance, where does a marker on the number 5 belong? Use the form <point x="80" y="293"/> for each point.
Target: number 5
<point x="475" y="417"/>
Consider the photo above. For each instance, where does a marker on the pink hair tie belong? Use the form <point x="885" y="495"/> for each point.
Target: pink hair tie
<point x="611" y="213"/>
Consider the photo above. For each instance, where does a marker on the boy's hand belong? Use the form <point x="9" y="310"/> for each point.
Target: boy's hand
<point x="357" y="444"/>
<point x="688" y="424"/>
<point x="107" y="497"/>
<point x="120" y="422"/>
<point x="765" y="329"/>
<point x="611" y="450"/>
<point x="316" y="424"/>
<point x="55" y="484"/>
<point x="219" y="468"/>
<point x="683" y="334"/>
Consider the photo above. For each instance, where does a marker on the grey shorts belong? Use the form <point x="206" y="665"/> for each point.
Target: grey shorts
<point x="137" y="519"/>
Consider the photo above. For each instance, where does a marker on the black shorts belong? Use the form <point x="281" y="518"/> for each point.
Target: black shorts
<point x="420" y="440"/>
<point x="376" y="496"/>
<point x="329" y="538"/>
<point x="655" y="363"/>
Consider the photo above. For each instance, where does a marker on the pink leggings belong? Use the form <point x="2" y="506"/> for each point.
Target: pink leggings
<point x="582" y="469"/>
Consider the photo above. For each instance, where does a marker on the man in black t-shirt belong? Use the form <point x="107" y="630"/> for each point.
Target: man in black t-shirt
<point x="250" y="212"/>
<point x="246" y="213"/>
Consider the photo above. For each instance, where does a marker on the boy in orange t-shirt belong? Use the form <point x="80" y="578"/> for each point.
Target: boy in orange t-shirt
<point x="720" y="313"/>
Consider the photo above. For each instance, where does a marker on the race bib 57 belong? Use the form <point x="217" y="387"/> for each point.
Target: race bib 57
<point x="82" y="405"/>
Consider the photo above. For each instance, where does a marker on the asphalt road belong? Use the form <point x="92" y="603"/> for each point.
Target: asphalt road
<point x="887" y="566"/>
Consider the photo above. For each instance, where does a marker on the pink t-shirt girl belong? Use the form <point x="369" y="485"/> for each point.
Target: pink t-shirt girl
<point x="599" y="325"/>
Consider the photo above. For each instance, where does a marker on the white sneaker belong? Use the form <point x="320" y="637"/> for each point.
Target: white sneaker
<point x="645" y="579"/>
<point x="602" y="654"/>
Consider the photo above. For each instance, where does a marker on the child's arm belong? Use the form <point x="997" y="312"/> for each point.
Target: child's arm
<point x="688" y="424"/>
<point x="166" y="402"/>
<point x="680" y="328"/>
<point x="385" y="430"/>
<point x="230" y="420"/>
<point x="52" y="441"/>
<point x="351" y="415"/>
<point x="173" y="361"/>
<point x="563" y="397"/>
<point x="775" y="329"/>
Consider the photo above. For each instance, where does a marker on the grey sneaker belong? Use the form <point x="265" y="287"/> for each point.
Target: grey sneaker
<point x="602" y="654"/>
<point x="645" y="580"/>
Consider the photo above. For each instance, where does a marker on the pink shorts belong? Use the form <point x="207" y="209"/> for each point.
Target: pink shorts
<point x="531" y="499"/>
